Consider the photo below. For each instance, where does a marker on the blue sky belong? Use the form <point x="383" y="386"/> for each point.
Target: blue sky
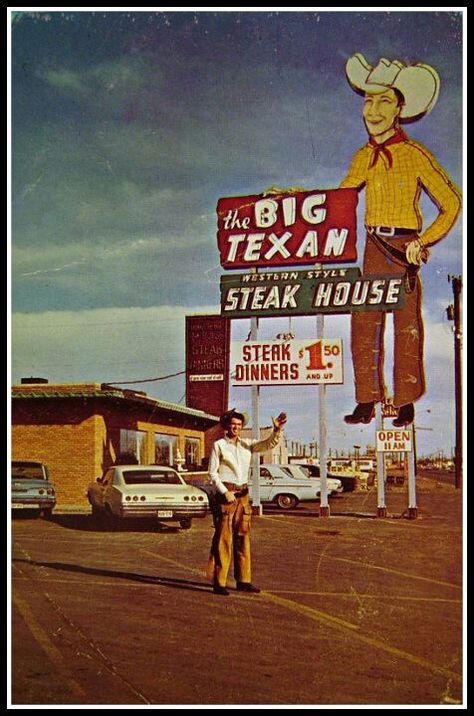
<point x="127" y="127"/>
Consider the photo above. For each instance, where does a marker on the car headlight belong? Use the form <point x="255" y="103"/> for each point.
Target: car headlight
<point x="41" y="491"/>
<point x="186" y="497"/>
<point x="128" y="498"/>
<point x="143" y="498"/>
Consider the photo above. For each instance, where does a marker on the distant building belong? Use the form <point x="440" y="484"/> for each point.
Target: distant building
<point x="78" y="430"/>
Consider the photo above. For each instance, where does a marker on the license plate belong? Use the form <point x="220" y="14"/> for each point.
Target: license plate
<point x="164" y="513"/>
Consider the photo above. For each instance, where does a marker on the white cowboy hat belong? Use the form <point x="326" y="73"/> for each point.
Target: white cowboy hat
<point x="419" y="84"/>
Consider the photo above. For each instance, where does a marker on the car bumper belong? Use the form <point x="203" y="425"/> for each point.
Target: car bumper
<point x="163" y="512"/>
<point x="33" y="504"/>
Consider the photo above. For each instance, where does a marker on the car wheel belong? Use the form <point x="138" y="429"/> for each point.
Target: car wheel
<point x="185" y="523"/>
<point x="286" y="502"/>
<point x="47" y="513"/>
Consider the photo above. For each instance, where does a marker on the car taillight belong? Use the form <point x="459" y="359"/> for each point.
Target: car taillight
<point x="143" y="498"/>
<point x="135" y="498"/>
<point x="186" y="497"/>
<point x="200" y="498"/>
<point x="50" y="492"/>
<point x="41" y="491"/>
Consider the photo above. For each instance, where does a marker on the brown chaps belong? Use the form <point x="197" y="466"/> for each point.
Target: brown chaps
<point x="231" y="540"/>
<point x="367" y="336"/>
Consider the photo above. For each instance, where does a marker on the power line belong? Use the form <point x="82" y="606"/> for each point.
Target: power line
<point x="145" y="380"/>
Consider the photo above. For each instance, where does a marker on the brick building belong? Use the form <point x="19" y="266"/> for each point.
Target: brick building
<point x="79" y="430"/>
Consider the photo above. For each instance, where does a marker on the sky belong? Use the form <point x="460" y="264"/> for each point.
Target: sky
<point x="127" y="127"/>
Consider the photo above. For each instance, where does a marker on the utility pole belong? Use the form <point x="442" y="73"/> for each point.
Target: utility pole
<point x="454" y="314"/>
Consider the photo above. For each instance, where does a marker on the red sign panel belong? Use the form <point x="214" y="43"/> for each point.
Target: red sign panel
<point x="207" y="363"/>
<point x="318" y="226"/>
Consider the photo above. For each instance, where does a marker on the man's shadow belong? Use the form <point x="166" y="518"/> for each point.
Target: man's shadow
<point x="88" y="523"/>
<point x="134" y="576"/>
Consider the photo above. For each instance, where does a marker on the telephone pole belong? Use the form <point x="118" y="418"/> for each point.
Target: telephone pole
<point x="454" y="314"/>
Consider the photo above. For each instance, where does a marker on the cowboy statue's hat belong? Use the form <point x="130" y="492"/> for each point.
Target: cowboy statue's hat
<point x="226" y="417"/>
<point x="419" y="84"/>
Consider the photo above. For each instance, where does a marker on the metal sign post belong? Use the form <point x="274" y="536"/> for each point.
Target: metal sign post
<point x="256" y="505"/>
<point x="381" y="507"/>
<point x="410" y="456"/>
<point x="324" y="503"/>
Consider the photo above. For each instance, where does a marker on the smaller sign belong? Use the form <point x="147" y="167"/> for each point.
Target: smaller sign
<point x="388" y="409"/>
<point x="394" y="440"/>
<point x="207" y="363"/>
<point x="295" y="362"/>
<point x="205" y="377"/>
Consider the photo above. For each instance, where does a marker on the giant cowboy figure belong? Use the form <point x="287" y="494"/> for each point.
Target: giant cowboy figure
<point x="394" y="170"/>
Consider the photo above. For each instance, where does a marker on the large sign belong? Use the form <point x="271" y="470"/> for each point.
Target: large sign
<point x="207" y="363"/>
<point x="394" y="440"/>
<point x="318" y="226"/>
<point x="295" y="362"/>
<point x="300" y="293"/>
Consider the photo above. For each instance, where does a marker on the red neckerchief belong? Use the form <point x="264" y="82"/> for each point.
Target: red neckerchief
<point x="399" y="136"/>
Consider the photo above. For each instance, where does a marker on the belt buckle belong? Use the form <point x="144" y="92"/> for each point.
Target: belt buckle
<point x="385" y="230"/>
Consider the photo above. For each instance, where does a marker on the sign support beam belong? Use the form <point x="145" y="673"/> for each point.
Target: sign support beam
<point x="410" y="456"/>
<point x="256" y="504"/>
<point x="323" y="449"/>
<point x="381" y="507"/>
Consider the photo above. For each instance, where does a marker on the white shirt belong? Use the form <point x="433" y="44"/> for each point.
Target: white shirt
<point x="230" y="461"/>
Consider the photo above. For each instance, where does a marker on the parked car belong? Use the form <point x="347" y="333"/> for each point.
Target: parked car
<point x="150" y="491"/>
<point x="284" y="489"/>
<point x="334" y="484"/>
<point x="348" y="482"/>
<point x="31" y="488"/>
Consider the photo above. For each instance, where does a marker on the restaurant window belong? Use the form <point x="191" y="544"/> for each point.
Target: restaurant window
<point x="132" y="447"/>
<point x="165" y="449"/>
<point x="191" y="453"/>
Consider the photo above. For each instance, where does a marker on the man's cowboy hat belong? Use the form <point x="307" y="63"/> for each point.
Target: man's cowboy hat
<point x="226" y="418"/>
<point x="419" y="84"/>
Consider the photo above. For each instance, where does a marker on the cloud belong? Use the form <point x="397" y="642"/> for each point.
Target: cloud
<point x="103" y="345"/>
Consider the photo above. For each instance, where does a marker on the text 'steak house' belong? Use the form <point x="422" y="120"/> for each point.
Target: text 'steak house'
<point x="79" y="430"/>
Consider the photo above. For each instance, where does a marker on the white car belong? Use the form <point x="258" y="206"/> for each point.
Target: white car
<point x="284" y="489"/>
<point x="150" y="491"/>
<point x="334" y="485"/>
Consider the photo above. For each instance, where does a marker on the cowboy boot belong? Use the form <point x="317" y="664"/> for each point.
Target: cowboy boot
<point x="363" y="413"/>
<point x="406" y="415"/>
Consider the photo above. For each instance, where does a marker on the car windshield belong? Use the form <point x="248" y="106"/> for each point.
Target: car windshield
<point x="151" y="477"/>
<point x="27" y="472"/>
<point x="294" y="471"/>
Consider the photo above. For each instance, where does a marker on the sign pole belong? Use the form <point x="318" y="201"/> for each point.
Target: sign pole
<point x="323" y="449"/>
<point x="410" y="456"/>
<point x="256" y="504"/>
<point x="381" y="507"/>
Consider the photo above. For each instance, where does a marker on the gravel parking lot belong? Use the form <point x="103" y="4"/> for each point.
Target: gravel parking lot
<point x="354" y="610"/>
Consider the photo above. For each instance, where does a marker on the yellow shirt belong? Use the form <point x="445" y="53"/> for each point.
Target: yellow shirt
<point x="393" y="193"/>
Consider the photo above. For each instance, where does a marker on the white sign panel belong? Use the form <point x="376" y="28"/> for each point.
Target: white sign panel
<point x="295" y="362"/>
<point x="394" y="441"/>
<point x="205" y="377"/>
